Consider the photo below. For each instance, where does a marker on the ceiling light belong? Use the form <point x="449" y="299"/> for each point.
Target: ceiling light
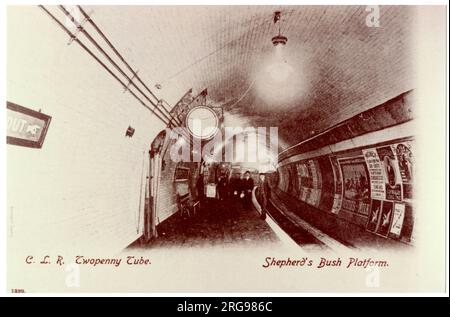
<point x="280" y="71"/>
<point x="278" y="39"/>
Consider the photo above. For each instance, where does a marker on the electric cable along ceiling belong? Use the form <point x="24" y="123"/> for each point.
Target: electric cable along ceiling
<point x="158" y="109"/>
<point x="335" y="65"/>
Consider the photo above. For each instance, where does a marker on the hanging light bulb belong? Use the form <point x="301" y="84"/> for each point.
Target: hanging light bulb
<point x="279" y="70"/>
<point x="278" y="39"/>
<point x="277" y="79"/>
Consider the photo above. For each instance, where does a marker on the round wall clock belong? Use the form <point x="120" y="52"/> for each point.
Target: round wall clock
<point x="202" y="122"/>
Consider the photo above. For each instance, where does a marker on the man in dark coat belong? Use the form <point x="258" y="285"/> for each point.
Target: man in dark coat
<point x="263" y="194"/>
<point x="200" y="187"/>
<point x="222" y="187"/>
<point x="235" y="185"/>
<point x="246" y="190"/>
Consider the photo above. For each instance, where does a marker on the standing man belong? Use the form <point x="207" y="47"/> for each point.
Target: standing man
<point x="222" y="187"/>
<point x="246" y="190"/>
<point x="263" y="193"/>
<point x="200" y="187"/>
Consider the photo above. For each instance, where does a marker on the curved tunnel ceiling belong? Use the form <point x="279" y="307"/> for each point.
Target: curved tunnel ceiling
<point x="341" y="66"/>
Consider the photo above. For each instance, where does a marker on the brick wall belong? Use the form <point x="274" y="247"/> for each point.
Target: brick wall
<point x="83" y="188"/>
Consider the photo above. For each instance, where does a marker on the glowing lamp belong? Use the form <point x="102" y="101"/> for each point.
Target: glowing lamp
<point x="279" y="39"/>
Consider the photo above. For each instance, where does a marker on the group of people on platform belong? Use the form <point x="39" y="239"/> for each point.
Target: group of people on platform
<point x="235" y="187"/>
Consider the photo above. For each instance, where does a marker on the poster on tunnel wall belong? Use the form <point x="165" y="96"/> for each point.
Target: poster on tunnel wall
<point x="300" y="175"/>
<point x="310" y="182"/>
<point x="314" y="169"/>
<point x="282" y="180"/>
<point x="293" y="180"/>
<point x="316" y="183"/>
<point x="407" y="233"/>
<point x="314" y="197"/>
<point x="376" y="175"/>
<point x="327" y="184"/>
<point x="405" y="158"/>
<point x="304" y="181"/>
<point x="387" y="213"/>
<point x="374" y="216"/>
<point x="392" y="177"/>
<point x="337" y="200"/>
<point x="356" y="196"/>
<point x="397" y="220"/>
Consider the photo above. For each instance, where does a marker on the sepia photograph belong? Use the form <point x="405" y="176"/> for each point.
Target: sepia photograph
<point x="288" y="148"/>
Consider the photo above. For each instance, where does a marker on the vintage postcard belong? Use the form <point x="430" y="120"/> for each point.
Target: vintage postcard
<point x="226" y="148"/>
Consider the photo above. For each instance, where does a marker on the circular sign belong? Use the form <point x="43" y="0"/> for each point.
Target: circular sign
<point x="202" y="122"/>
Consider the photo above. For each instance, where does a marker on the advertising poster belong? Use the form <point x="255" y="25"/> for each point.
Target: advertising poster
<point x="375" y="167"/>
<point x="397" y="219"/>
<point x="337" y="202"/>
<point x="356" y="185"/>
<point x="315" y="174"/>
<point x="314" y="198"/>
<point x="407" y="231"/>
<point x="292" y="179"/>
<point x="309" y="182"/>
<point x="385" y="218"/>
<point x="302" y="170"/>
<point x="305" y="193"/>
<point x="404" y="155"/>
<point x="375" y="212"/>
<point x="316" y="183"/>
<point x="299" y="176"/>
<point x="392" y="178"/>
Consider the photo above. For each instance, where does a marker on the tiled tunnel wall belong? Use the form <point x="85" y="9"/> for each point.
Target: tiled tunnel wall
<point x="368" y="182"/>
<point x="169" y="188"/>
<point x="85" y="186"/>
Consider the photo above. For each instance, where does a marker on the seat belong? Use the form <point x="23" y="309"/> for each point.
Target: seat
<point x="188" y="204"/>
<point x="195" y="206"/>
<point x="184" y="204"/>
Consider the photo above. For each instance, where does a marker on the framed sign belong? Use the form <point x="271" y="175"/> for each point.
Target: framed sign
<point x="211" y="190"/>
<point x="181" y="174"/>
<point x="25" y="127"/>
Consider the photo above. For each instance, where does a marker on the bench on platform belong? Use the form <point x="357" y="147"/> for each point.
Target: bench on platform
<point x="186" y="204"/>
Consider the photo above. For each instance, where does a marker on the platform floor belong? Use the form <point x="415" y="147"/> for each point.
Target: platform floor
<point x="215" y="224"/>
<point x="228" y="223"/>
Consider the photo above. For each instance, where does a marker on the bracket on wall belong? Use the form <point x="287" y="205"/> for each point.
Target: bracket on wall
<point x="79" y="27"/>
<point x="130" y="81"/>
<point x="130" y="131"/>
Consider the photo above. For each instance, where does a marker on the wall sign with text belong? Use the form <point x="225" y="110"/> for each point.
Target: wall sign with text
<point x="25" y="127"/>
